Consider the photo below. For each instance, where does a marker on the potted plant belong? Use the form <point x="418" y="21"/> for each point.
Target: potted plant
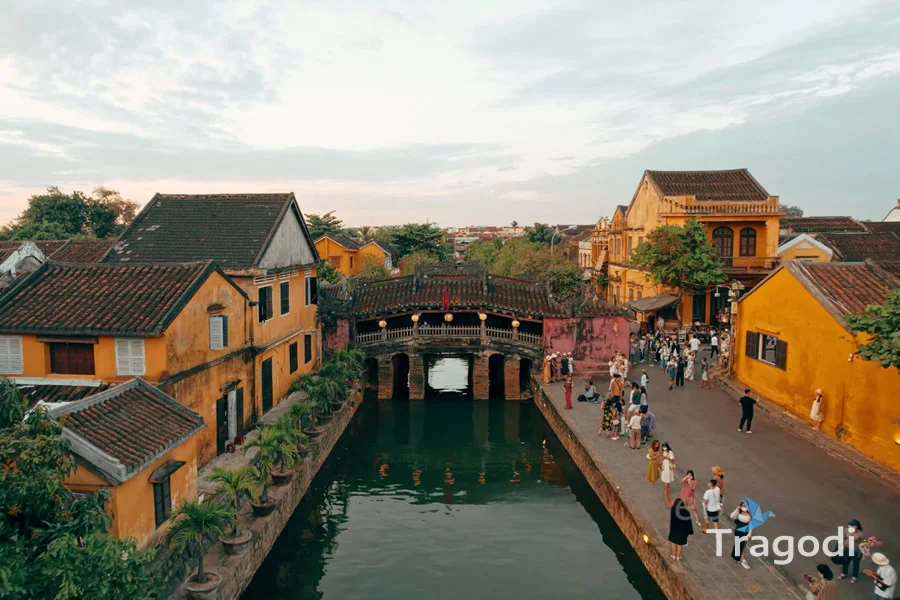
<point x="234" y="484"/>
<point x="284" y="440"/>
<point x="261" y="505"/>
<point x="192" y="523"/>
<point x="299" y="414"/>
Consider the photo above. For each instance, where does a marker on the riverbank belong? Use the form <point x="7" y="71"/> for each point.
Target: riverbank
<point x="236" y="572"/>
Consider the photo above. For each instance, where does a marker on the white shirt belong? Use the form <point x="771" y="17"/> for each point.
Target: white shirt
<point x="889" y="575"/>
<point x="695" y="344"/>
<point x="635" y="422"/>
<point x="711" y="500"/>
<point x="714" y="341"/>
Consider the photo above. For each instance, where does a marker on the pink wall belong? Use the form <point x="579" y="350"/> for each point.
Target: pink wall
<point x="337" y="337"/>
<point x="592" y="340"/>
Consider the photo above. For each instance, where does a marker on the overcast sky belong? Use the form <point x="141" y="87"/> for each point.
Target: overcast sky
<point x="481" y="111"/>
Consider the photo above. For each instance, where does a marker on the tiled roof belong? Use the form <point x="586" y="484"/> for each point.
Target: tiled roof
<point x="59" y="393"/>
<point x="891" y="267"/>
<point x="343" y="240"/>
<point x="48" y="247"/>
<point x="852" y="247"/>
<point x="230" y="229"/>
<point x="416" y="292"/>
<point x="389" y="249"/>
<point x="734" y="185"/>
<point x="126" y="428"/>
<point x="883" y="226"/>
<point x="83" y="251"/>
<point x="100" y="299"/>
<point x="849" y="287"/>
<point x="821" y="224"/>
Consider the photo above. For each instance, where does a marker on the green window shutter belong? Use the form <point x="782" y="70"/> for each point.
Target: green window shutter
<point x="752" y="349"/>
<point x="781" y="354"/>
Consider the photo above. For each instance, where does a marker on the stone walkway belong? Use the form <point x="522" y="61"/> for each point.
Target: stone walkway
<point x="810" y="491"/>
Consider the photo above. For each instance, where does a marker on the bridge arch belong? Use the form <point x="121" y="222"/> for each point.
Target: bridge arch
<point x="400" y="374"/>
<point x="496" y="375"/>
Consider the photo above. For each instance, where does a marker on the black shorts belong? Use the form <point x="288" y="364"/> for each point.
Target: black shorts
<point x="712" y="516"/>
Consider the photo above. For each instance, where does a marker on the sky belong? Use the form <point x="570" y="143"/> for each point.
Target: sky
<point x="465" y="112"/>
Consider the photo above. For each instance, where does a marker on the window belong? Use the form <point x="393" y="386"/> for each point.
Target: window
<point x="71" y="358"/>
<point x="766" y="348"/>
<point x="218" y="332"/>
<point x="640" y="240"/>
<point x="293" y="359"/>
<point x="312" y="290"/>
<point x="130" y="357"/>
<point x="10" y="355"/>
<point x="335" y="261"/>
<point x="640" y="294"/>
<point x="264" y="300"/>
<point x="723" y="242"/>
<point x="630" y="294"/>
<point x="748" y="241"/>
<point x="618" y="246"/>
<point x="307" y="348"/>
<point x="628" y="245"/>
<point x="162" y="501"/>
<point x="284" y="292"/>
<point x="351" y="262"/>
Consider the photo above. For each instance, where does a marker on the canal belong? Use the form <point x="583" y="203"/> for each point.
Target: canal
<point x="448" y="498"/>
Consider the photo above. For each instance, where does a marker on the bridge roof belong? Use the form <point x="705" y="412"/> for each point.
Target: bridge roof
<point x="464" y="292"/>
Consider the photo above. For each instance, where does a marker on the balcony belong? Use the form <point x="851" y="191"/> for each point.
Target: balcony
<point x="690" y="206"/>
<point x="445" y="332"/>
<point x="748" y="263"/>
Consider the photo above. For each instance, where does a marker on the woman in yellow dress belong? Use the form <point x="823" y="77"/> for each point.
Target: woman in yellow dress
<point x="653" y="466"/>
<point x="547" y="369"/>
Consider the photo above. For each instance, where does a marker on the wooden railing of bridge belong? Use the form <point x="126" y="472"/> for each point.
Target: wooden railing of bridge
<point x="449" y="332"/>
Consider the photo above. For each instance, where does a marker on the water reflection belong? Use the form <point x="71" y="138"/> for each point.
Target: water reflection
<point x="447" y="375"/>
<point x="450" y="499"/>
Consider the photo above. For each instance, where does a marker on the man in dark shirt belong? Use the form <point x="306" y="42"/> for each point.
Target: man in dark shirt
<point x="747" y="404"/>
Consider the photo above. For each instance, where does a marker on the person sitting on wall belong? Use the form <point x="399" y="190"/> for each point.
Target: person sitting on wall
<point x="590" y="393"/>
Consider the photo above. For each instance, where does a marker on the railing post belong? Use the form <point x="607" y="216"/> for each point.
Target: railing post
<point x="384" y="334"/>
<point x="515" y="334"/>
<point x="483" y="332"/>
<point x="415" y="332"/>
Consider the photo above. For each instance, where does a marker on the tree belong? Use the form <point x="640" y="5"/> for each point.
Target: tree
<point x="679" y="257"/>
<point x="54" y="544"/>
<point x="540" y="233"/>
<point x="370" y="268"/>
<point x="328" y="273"/>
<point x="415" y="238"/>
<point x="792" y="211"/>
<point x="326" y="224"/>
<point x="514" y="224"/>
<point x="108" y="213"/>
<point x="364" y="233"/>
<point x="882" y="324"/>
<point x="57" y="215"/>
<point x="409" y="262"/>
<point x="522" y="258"/>
<point x="193" y="522"/>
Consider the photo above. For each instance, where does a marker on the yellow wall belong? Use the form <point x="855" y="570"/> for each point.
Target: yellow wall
<point x="282" y="378"/>
<point x="328" y="248"/>
<point x="807" y="252"/>
<point x="300" y="317"/>
<point x="370" y="252"/>
<point x="859" y="395"/>
<point x="131" y="504"/>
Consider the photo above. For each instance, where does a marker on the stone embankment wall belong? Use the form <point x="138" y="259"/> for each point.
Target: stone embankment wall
<point x="615" y="502"/>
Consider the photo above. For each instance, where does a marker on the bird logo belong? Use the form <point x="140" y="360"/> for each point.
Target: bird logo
<point x="757" y="516"/>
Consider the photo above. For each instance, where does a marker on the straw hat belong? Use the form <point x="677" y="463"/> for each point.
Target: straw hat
<point x="880" y="559"/>
<point x="717" y="470"/>
<point x="819" y="391"/>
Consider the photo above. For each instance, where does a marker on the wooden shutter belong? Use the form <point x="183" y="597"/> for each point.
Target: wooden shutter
<point x="752" y="349"/>
<point x="781" y="354"/>
<point x="307" y="348"/>
<point x="215" y="333"/>
<point x="224" y="330"/>
<point x="11" y="355"/>
<point x="130" y="357"/>
<point x="313" y="290"/>
<point x="285" y="297"/>
<point x="293" y="357"/>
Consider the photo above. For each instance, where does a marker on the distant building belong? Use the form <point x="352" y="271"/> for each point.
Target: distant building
<point x="348" y="255"/>
<point x="894" y="214"/>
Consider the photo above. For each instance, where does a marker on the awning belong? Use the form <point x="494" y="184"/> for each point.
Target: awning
<point x="653" y="303"/>
<point x="162" y="473"/>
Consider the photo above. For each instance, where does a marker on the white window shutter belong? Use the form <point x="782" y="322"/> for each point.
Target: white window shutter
<point x="130" y="357"/>
<point x="11" y="355"/>
<point x="123" y="357"/>
<point x="137" y="357"/>
<point x="215" y="333"/>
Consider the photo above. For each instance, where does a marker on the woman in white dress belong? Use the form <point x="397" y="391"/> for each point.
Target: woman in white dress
<point x="689" y="368"/>
<point x="817" y="413"/>
<point x="667" y="473"/>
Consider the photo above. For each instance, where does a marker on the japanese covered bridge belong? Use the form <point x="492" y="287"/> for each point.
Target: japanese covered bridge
<point x="504" y="326"/>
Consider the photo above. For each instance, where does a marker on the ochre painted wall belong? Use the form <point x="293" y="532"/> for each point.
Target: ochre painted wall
<point x="329" y="249"/>
<point x="131" y="504"/>
<point x="859" y="396"/>
<point x="369" y="253"/>
<point x="300" y="316"/>
<point x="282" y="378"/>
<point x="804" y="250"/>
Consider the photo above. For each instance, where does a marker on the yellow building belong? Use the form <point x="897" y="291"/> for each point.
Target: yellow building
<point x="791" y="340"/>
<point x="139" y="444"/>
<point x="806" y="248"/>
<point x="350" y="256"/>
<point x="262" y="243"/>
<point x="742" y="224"/>
<point x="67" y="331"/>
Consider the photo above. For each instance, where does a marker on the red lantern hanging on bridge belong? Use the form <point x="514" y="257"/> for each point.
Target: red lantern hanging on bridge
<point x="445" y="301"/>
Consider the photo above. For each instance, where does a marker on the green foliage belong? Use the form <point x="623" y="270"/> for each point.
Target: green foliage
<point x="371" y="268"/>
<point x="276" y="446"/>
<point x="792" y="211"/>
<point x="328" y="273"/>
<point x="882" y="323"/>
<point x="350" y="360"/>
<point x="540" y="233"/>
<point x="56" y="215"/>
<point x="234" y="484"/>
<point x="54" y="544"/>
<point x="522" y="258"/>
<point x="193" y="522"/>
<point x="679" y="257"/>
<point x="416" y="238"/>
<point x="410" y="262"/>
<point x="363" y="233"/>
<point x="326" y="224"/>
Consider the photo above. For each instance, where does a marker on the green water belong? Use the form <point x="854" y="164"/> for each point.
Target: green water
<point x="450" y="499"/>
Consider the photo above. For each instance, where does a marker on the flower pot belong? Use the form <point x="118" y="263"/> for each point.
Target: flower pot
<point x="236" y="545"/>
<point x="312" y="433"/>
<point x="202" y="591"/>
<point x="263" y="510"/>
<point x="303" y="451"/>
<point x="324" y="418"/>
<point x="336" y="404"/>
<point x="282" y="478"/>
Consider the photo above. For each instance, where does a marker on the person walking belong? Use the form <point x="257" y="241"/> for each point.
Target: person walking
<point x="713" y="345"/>
<point x="680" y="525"/>
<point x="719" y="475"/>
<point x="822" y="586"/>
<point x="564" y="366"/>
<point x="852" y="558"/>
<point x="704" y="375"/>
<point x="689" y="493"/>
<point x="664" y="357"/>
<point x="634" y="424"/>
<point x="694" y="344"/>
<point x="547" y="371"/>
<point x="885" y="577"/>
<point x="679" y="372"/>
<point x="817" y="412"/>
<point x="712" y="504"/>
<point x="672" y="372"/>
<point x="667" y="473"/>
<point x="689" y="368"/>
<point x="645" y="379"/>
<point x="747" y="403"/>
<point x="645" y="423"/>
<point x="653" y="457"/>
<point x="741" y="517"/>
<point x="567" y="387"/>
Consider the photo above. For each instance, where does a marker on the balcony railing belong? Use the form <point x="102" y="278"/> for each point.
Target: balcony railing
<point x="687" y="205"/>
<point x="450" y="332"/>
<point x="748" y="263"/>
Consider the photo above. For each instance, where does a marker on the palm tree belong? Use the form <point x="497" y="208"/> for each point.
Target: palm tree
<point x="275" y="446"/>
<point x="194" y="522"/>
<point x="234" y="484"/>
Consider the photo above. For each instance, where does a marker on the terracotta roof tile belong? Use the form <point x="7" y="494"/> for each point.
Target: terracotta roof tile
<point x="733" y="185"/>
<point x="850" y="286"/>
<point x="853" y="247"/>
<point x="99" y="299"/>
<point x="83" y="251"/>
<point x="343" y="240"/>
<point x="59" y="393"/>
<point x="883" y="226"/>
<point x="821" y="224"/>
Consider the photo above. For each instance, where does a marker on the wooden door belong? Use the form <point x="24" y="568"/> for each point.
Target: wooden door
<point x="221" y="424"/>
<point x="266" y="384"/>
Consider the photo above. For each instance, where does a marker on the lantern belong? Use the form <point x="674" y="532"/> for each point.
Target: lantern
<point x="482" y="317"/>
<point x="515" y="324"/>
<point x="448" y="317"/>
<point x="415" y="318"/>
<point x="382" y="323"/>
